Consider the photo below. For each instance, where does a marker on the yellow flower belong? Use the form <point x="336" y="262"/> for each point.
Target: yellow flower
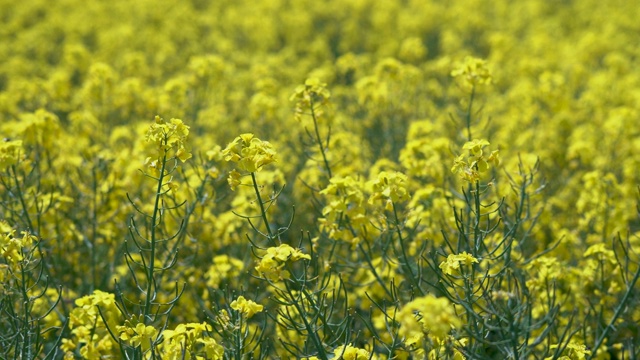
<point x="10" y="152"/>
<point x="310" y="96"/>
<point x="348" y="352"/>
<point x="475" y="146"/>
<point x="234" y="179"/>
<point x="389" y="187"/>
<point x="272" y="264"/>
<point x="247" y="307"/>
<point x="470" y="167"/>
<point x="13" y="248"/>
<point x="472" y="71"/>
<point x="183" y="342"/>
<point x="138" y="335"/>
<point x="249" y="152"/>
<point x="427" y="315"/>
<point x="453" y="262"/>
<point x="575" y="351"/>
<point x="168" y="141"/>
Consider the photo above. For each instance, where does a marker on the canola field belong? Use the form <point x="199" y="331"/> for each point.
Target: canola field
<point x="358" y="179"/>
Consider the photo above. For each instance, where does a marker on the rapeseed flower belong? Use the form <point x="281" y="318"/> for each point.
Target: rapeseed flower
<point x="472" y="72"/>
<point x="246" y="307"/>
<point x="453" y="262"/>
<point x="249" y="152"/>
<point x="10" y="152"/>
<point x="272" y="264"/>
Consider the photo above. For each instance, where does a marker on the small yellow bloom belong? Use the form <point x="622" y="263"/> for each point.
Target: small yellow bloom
<point x="470" y="167"/>
<point x="389" y="187"/>
<point x="169" y="135"/>
<point x="453" y="262"/>
<point x="138" y="335"/>
<point x="249" y="152"/>
<point x="234" y="179"/>
<point x="272" y="264"/>
<point x="10" y="152"/>
<point x="473" y="71"/>
<point x="349" y="352"/>
<point x="427" y="315"/>
<point x="247" y="307"/>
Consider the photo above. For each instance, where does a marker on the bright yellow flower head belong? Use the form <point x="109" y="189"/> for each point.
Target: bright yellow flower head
<point x="477" y="162"/>
<point x="390" y="187"/>
<point x="187" y="339"/>
<point x="247" y="307"/>
<point x="272" y="264"/>
<point x="10" y="152"/>
<point x="168" y="136"/>
<point x="348" y="352"/>
<point x="454" y="261"/>
<point x="309" y="96"/>
<point x="472" y="72"/>
<point x="136" y="333"/>
<point x="249" y="152"/>
<point x="427" y="315"/>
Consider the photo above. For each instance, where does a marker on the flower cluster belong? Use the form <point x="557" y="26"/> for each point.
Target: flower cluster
<point x="167" y="136"/>
<point x="10" y="152"/>
<point x="135" y="333"/>
<point x="250" y="153"/>
<point x="273" y="264"/>
<point x="90" y="334"/>
<point x="345" y="210"/>
<point x="390" y="188"/>
<point x="453" y="262"/>
<point x="472" y="72"/>
<point x="310" y="97"/>
<point x="427" y="317"/>
<point x="14" y="248"/>
<point x="246" y="307"/>
<point x="190" y="340"/>
<point x="349" y="352"/>
<point x="470" y="167"/>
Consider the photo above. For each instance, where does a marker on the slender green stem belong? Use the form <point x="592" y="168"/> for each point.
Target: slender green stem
<point x="476" y="226"/>
<point x="469" y="114"/>
<point x="26" y="346"/>
<point x="154" y="220"/>
<point x="619" y="310"/>
<point x="94" y="228"/>
<point x="238" y="340"/>
<point x="263" y="212"/>
<point x="311" y="330"/>
<point x="372" y="267"/>
<point x="319" y="140"/>
<point x="412" y="276"/>
<point x="25" y="209"/>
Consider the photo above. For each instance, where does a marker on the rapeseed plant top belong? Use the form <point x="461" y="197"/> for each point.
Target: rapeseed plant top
<point x="246" y="307"/>
<point x="465" y="185"/>
<point x="249" y="152"/>
<point x="472" y="72"/>
<point x="10" y="152"/>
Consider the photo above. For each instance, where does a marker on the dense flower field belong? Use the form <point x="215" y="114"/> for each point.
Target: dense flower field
<point x="352" y="179"/>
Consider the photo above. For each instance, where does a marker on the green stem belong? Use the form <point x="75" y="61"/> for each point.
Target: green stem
<point x="319" y="140"/>
<point x="26" y="346"/>
<point x="94" y="229"/>
<point x="25" y="209"/>
<point x="311" y="330"/>
<point x="263" y="212"/>
<point x="619" y="310"/>
<point x="476" y="226"/>
<point x="469" y="108"/>
<point x="404" y="252"/>
<point x="154" y="219"/>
